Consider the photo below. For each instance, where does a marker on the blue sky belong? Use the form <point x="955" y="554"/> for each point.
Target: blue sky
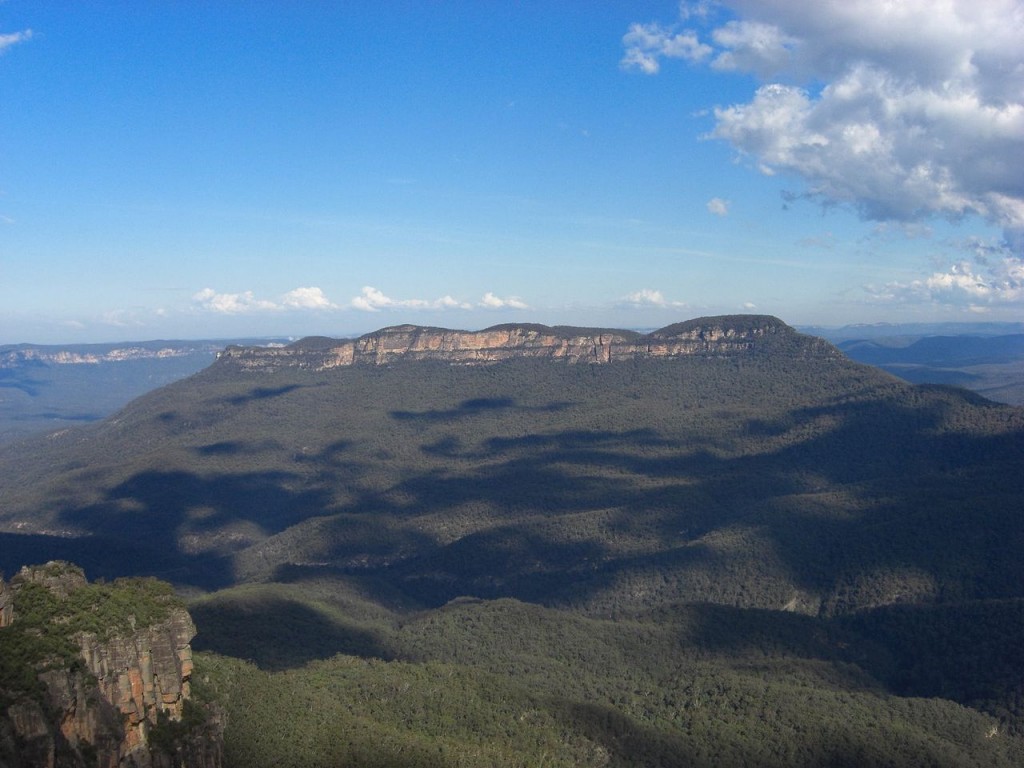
<point x="215" y="169"/>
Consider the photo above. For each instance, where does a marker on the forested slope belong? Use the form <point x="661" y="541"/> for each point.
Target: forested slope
<point x="812" y="540"/>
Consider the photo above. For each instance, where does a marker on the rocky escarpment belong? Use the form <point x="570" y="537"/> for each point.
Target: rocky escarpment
<point x="725" y="335"/>
<point x="6" y="604"/>
<point x="27" y="355"/>
<point x="97" y="675"/>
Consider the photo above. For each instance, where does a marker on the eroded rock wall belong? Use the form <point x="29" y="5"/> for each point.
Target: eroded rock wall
<point x="706" y="336"/>
<point x="6" y="604"/>
<point x="103" y="711"/>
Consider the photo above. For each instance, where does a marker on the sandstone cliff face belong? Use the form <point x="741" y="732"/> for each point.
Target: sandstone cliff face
<point x="6" y="604"/>
<point x="105" y="708"/>
<point x="706" y="336"/>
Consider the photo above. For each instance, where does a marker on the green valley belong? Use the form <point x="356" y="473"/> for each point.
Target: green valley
<point x="729" y="545"/>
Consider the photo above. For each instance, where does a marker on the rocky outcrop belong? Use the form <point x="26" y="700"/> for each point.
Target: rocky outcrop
<point x="109" y="705"/>
<point x="59" y="579"/>
<point x="726" y="335"/>
<point x="144" y="676"/>
<point x="6" y="604"/>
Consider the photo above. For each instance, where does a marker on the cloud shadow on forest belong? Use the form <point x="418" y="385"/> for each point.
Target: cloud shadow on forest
<point x="475" y="407"/>
<point x="262" y="393"/>
<point x="569" y="516"/>
<point x="152" y="509"/>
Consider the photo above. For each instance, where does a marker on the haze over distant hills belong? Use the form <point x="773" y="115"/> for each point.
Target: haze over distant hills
<point x="987" y="358"/>
<point x="990" y="365"/>
<point x="49" y="387"/>
<point x="838" y="334"/>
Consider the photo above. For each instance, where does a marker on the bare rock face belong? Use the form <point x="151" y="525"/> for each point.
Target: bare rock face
<point x="143" y="676"/>
<point x="6" y="604"/>
<point x="60" y="579"/>
<point x="107" y="705"/>
<point x="706" y="336"/>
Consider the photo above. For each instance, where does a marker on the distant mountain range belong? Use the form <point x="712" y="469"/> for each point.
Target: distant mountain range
<point x="990" y="365"/>
<point x="838" y="334"/>
<point x="49" y="387"/>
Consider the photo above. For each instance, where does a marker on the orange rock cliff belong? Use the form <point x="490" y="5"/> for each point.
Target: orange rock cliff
<point x="705" y="336"/>
<point x="102" y="710"/>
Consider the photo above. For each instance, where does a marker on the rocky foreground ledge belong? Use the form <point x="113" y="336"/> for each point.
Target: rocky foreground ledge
<point x="724" y="335"/>
<point x="98" y="675"/>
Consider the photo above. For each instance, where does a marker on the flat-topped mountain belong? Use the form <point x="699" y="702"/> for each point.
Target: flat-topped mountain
<point x="725" y="335"/>
<point x="430" y="474"/>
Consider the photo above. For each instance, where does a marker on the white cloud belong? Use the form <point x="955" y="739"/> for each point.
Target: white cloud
<point x="699" y="9"/>
<point x="752" y="46"/>
<point x="246" y="302"/>
<point x="307" y="298"/>
<point x="718" y="206"/>
<point x="231" y="303"/>
<point x="13" y="38"/>
<point x="447" y="302"/>
<point x="647" y="43"/>
<point x="907" y="110"/>
<point x="371" y="299"/>
<point x="490" y="301"/>
<point x="981" y="284"/>
<point x="648" y="297"/>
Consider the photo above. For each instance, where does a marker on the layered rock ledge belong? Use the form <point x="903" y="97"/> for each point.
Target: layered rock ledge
<point x="104" y="695"/>
<point x="726" y="335"/>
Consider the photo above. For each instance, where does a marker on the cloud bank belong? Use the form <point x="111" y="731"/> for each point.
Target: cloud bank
<point x="994" y="278"/>
<point x="246" y="302"/>
<point x="901" y="110"/>
<point x="371" y="299"/>
<point x="309" y="298"/>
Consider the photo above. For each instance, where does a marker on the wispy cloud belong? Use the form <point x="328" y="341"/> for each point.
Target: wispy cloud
<point x="718" y="206"/>
<point x="308" y="298"/>
<point x="646" y="44"/>
<point x="120" y="318"/>
<point x="648" y="297"/>
<point x="911" y="109"/>
<point x="13" y="38"/>
<point x="372" y="299"/>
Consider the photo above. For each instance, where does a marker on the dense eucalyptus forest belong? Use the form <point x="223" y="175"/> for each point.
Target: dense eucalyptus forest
<point x="773" y="556"/>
